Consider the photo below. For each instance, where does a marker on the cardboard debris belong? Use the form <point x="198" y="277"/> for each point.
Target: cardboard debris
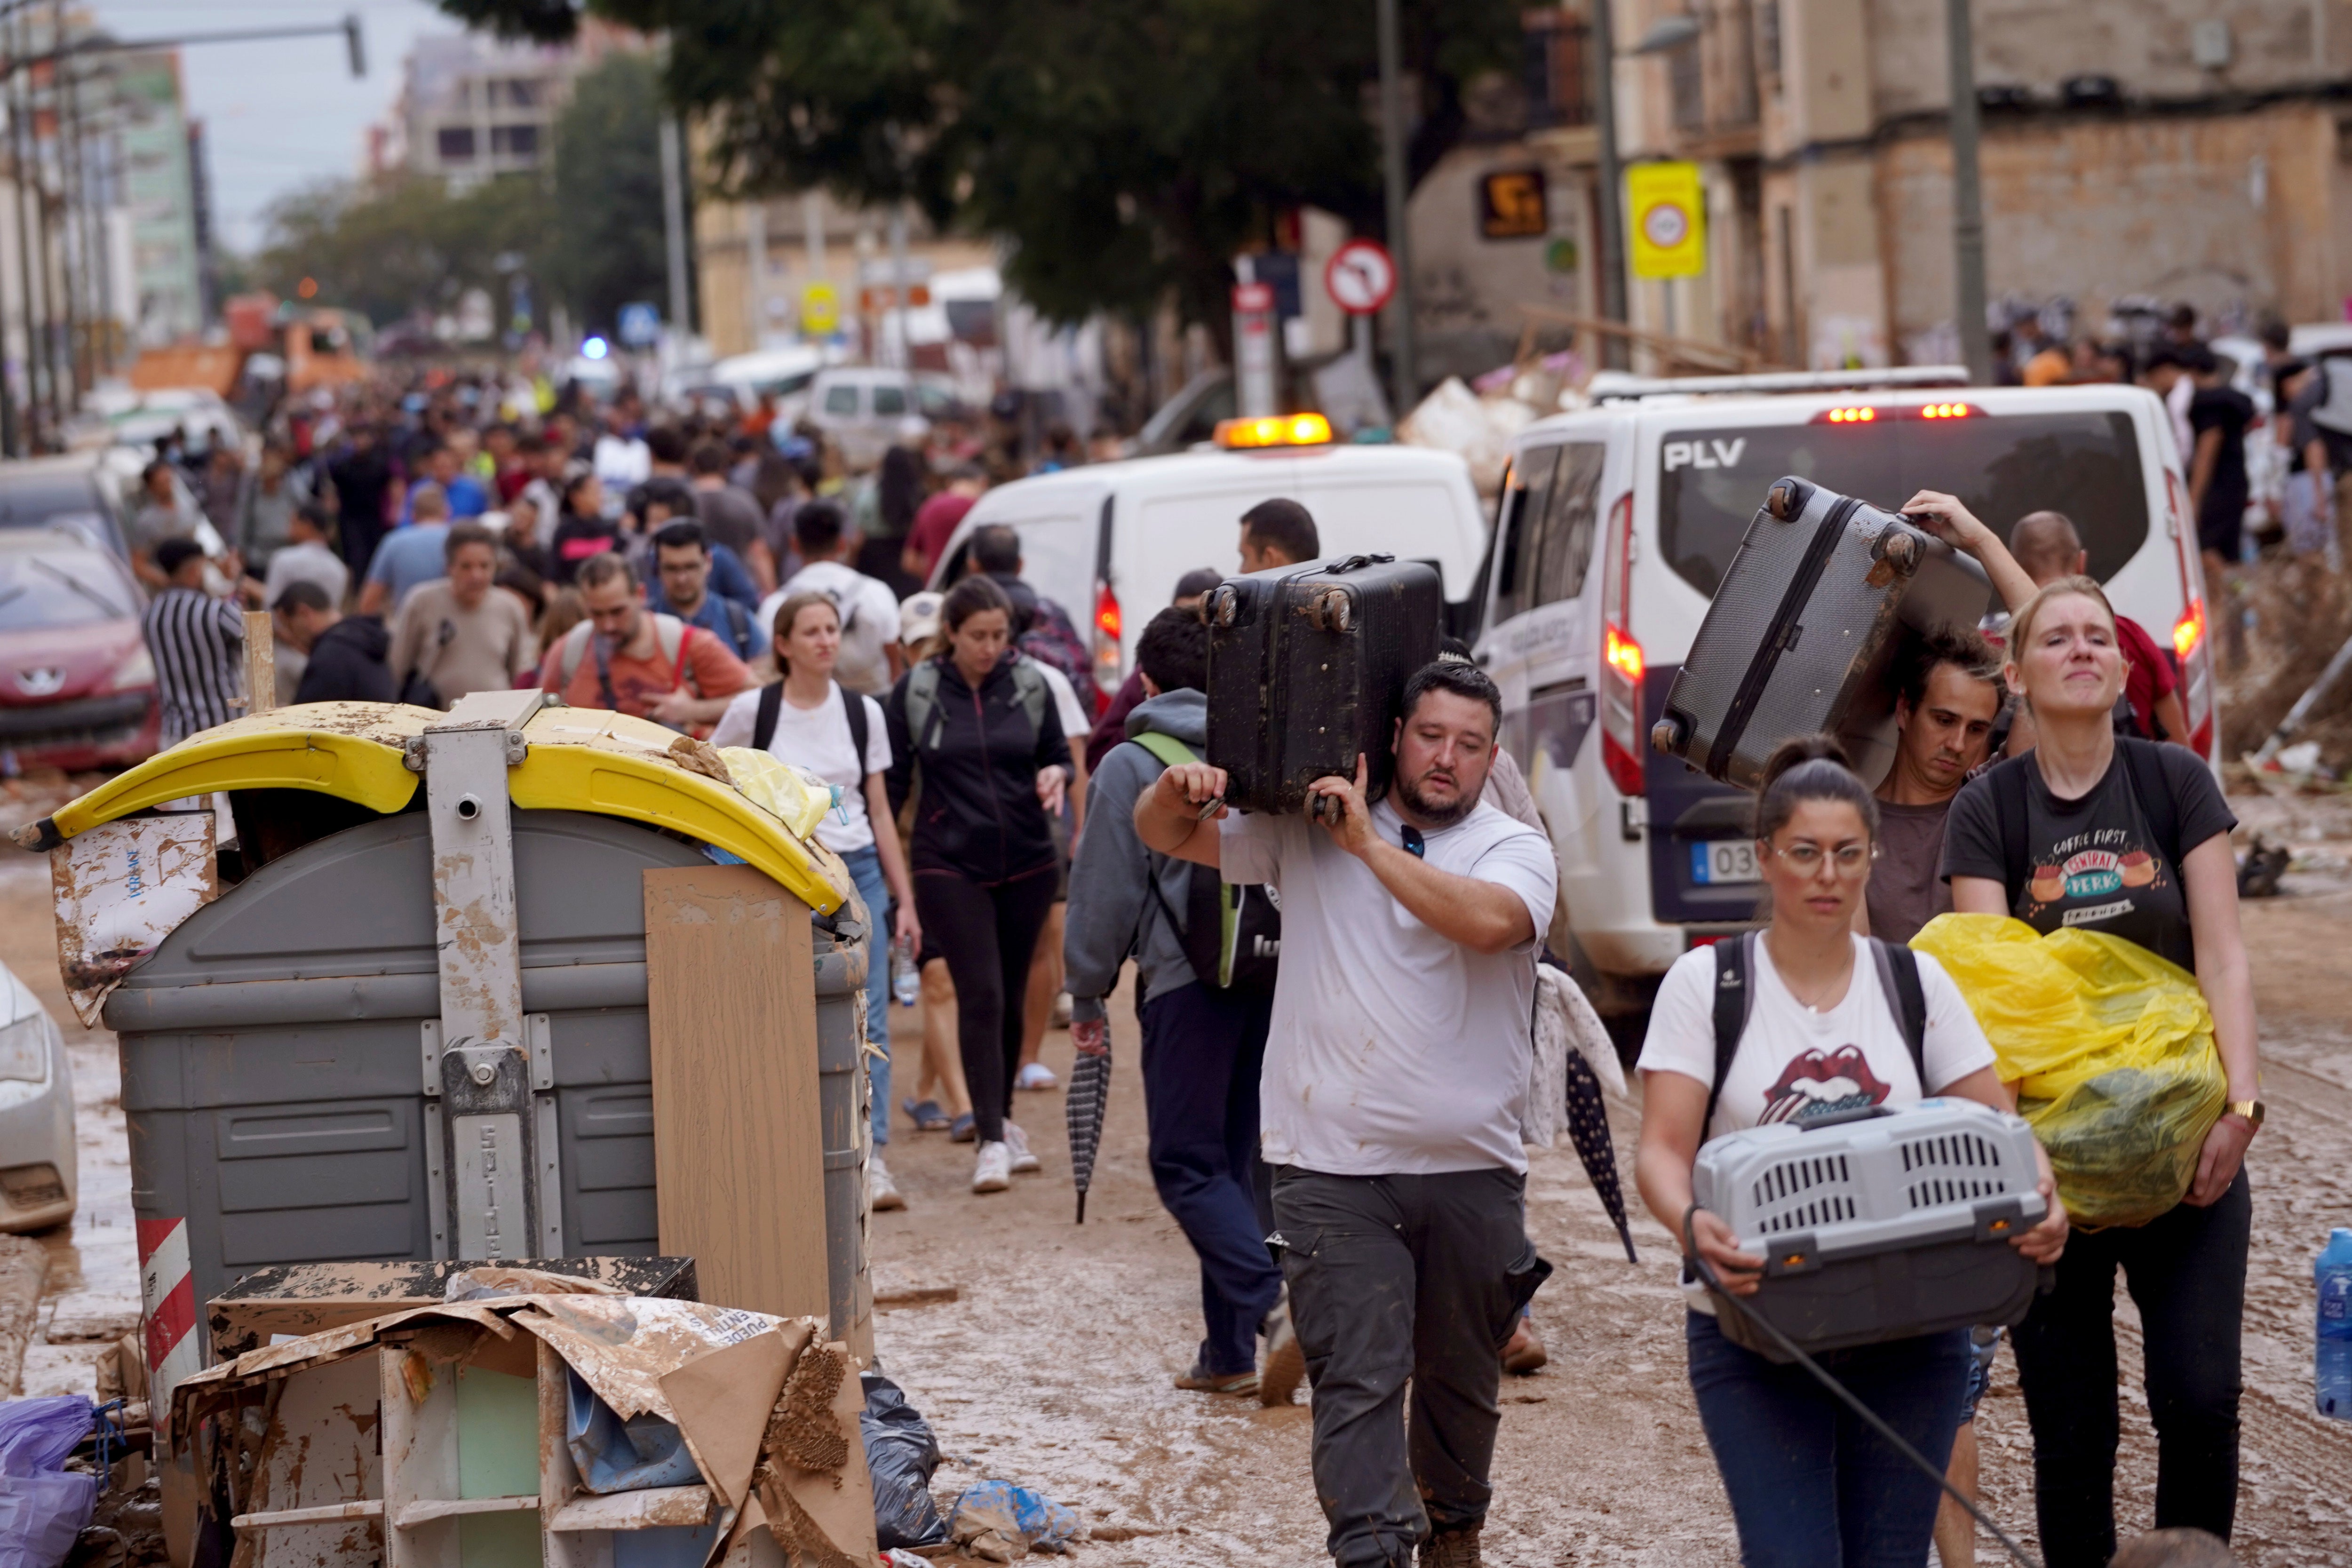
<point x="309" y="1298"/>
<point x="768" y="1411"/>
<point x="121" y="887"/>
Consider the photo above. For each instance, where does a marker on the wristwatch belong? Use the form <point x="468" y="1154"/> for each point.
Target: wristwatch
<point x="2251" y="1109"/>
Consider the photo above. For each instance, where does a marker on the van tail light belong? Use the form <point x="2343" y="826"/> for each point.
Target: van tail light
<point x="2190" y="645"/>
<point x="1106" y="639"/>
<point x="1622" y="662"/>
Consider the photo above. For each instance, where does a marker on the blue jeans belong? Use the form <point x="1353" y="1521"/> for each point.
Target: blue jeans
<point x="866" y="870"/>
<point x="1810" y="1486"/>
<point x="1201" y="1053"/>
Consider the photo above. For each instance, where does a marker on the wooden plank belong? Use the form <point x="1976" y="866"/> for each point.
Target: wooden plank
<point x="260" y="662"/>
<point x="366" y="1508"/>
<point x="739" y="1154"/>
<point x="644" y="1510"/>
<point x="418" y="1513"/>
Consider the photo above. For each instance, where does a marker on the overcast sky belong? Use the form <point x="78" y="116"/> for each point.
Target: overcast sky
<point x="279" y="114"/>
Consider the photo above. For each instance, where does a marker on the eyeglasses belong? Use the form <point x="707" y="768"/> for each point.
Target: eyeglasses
<point x="1850" y="859"/>
<point x="1414" y="843"/>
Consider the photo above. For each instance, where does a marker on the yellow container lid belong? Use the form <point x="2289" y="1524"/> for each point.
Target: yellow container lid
<point x="578" y="759"/>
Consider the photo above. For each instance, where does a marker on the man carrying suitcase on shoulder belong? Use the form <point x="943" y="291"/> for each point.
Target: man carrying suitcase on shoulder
<point x="1396" y="1068"/>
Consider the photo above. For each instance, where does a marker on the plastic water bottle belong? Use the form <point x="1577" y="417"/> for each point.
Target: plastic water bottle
<point x="905" y="984"/>
<point x="2334" y="1272"/>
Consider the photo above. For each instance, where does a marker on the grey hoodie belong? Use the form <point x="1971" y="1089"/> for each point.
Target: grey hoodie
<point x="1111" y="887"/>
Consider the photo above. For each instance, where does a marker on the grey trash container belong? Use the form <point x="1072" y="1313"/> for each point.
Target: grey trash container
<point x="273" y="1080"/>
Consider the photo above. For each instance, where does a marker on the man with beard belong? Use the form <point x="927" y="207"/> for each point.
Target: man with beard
<point x="1943" y="725"/>
<point x="1396" y="1070"/>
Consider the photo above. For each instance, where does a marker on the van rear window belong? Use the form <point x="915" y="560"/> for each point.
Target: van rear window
<point x="2087" y="465"/>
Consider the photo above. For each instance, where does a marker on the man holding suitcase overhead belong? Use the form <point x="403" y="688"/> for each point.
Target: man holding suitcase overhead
<point x="1395" y="1071"/>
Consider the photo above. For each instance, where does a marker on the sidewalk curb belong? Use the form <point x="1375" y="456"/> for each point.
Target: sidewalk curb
<point x="23" y="1267"/>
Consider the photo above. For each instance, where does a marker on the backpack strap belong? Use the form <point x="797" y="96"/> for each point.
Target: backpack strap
<point x="1032" y="693"/>
<point x="2143" y="763"/>
<point x="1171" y="752"/>
<point x="739" y="626"/>
<point x="763" y="721"/>
<point x="1898" y="981"/>
<point x="1734" y="999"/>
<point x="575" y="648"/>
<point x="669" y="635"/>
<point x="922" y="705"/>
<point x="2010" y="816"/>
<point x="852" y="708"/>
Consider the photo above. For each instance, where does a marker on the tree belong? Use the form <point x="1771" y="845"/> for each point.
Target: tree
<point x="392" y="248"/>
<point x="603" y="245"/>
<point x="1125" y="152"/>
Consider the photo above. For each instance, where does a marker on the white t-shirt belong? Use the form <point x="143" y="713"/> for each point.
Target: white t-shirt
<point x="1076" y="725"/>
<point x="870" y="620"/>
<point x="1394" y="1050"/>
<point x="1794" y="1061"/>
<point x="818" y="739"/>
<point x="307" y="562"/>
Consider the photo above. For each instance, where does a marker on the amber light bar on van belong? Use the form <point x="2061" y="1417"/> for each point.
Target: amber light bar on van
<point x="1874" y="413"/>
<point x="1274" y="430"/>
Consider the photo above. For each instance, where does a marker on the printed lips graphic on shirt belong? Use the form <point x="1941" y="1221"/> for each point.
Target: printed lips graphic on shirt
<point x="1821" y="1082"/>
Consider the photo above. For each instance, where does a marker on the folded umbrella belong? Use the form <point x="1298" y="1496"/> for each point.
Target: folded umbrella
<point x="1084" y="1103"/>
<point x="1587" y="1129"/>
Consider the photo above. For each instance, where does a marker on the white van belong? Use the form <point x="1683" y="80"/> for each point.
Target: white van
<point x="1615" y="527"/>
<point x="1109" y="541"/>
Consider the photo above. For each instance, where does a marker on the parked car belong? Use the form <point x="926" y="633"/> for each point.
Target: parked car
<point x="1108" y="540"/>
<point x="868" y="409"/>
<point x="77" y="687"/>
<point x="87" y="494"/>
<point x="40" y="1178"/>
<point x="1616" y="524"/>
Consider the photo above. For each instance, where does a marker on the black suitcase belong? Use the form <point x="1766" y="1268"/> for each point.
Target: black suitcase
<point x="1307" y="669"/>
<point x="1823" y="598"/>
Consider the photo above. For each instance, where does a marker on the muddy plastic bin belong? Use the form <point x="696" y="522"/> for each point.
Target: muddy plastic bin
<point x="300" y="1086"/>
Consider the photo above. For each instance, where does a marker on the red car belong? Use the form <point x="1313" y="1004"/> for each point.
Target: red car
<point x="77" y="687"/>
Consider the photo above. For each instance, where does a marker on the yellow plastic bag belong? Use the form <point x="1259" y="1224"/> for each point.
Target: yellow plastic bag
<point x="794" y="795"/>
<point x="2111" y="1048"/>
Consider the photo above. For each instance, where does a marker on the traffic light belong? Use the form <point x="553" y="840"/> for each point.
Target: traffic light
<point x="356" y="45"/>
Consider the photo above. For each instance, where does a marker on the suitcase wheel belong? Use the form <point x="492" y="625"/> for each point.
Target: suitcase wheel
<point x="1224" y="606"/>
<point x="1785" y="499"/>
<point x="1332" y="610"/>
<point x="1668" y="734"/>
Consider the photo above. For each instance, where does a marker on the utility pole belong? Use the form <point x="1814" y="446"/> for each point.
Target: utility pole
<point x="1405" y="379"/>
<point x="1968" y="198"/>
<point x="674" y="222"/>
<point x="1609" y="262"/>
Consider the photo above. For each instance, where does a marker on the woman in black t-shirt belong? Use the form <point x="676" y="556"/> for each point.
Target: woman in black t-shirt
<point x="2132" y="838"/>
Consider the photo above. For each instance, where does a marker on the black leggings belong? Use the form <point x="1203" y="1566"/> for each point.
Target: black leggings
<point x="988" y="933"/>
<point x="2186" y="1271"/>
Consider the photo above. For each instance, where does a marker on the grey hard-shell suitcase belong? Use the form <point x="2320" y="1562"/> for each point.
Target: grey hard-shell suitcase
<point x="1806" y="632"/>
<point x="1878" y="1223"/>
<point x="1307" y="669"/>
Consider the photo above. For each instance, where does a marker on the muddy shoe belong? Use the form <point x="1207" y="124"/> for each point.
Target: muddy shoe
<point x="1285" y="1363"/>
<point x="881" y="1192"/>
<point x="1525" y="1352"/>
<point x="1451" y="1549"/>
<point x="992" y="1171"/>
<point x="1025" y="1163"/>
<point x="1201" y="1381"/>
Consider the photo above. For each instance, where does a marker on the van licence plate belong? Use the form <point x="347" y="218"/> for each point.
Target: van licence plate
<point x="1721" y="862"/>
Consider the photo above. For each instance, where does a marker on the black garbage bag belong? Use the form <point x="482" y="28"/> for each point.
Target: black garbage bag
<point x="901" y="1454"/>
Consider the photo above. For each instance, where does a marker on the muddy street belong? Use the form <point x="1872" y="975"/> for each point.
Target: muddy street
<point x="1052" y="1366"/>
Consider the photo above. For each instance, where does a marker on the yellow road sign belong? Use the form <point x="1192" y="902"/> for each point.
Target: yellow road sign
<point x="820" y="308"/>
<point x="1669" y="212"/>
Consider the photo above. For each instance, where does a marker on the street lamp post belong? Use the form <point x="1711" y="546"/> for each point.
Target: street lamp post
<point x="1968" y="198"/>
<point x="1402" y="374"/>
<point x="1611" y="210"/>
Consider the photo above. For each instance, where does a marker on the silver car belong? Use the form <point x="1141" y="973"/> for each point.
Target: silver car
<point x="38" y="1184"/>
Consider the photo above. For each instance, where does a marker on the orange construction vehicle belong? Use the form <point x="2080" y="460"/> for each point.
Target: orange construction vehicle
<point x="268" y="340"/>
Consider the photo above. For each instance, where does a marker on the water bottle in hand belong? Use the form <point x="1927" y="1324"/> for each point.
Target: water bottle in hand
<point x="905" y="984"/>
<point x="2333" y="1271"/>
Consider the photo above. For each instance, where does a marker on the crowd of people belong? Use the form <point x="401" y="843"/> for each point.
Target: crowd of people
<point x="1356" y="1199"/>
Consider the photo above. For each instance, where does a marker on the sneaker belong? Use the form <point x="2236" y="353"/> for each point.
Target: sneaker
<point x="1036" y="1075"/>
<point x="1285" y="1363"/>
<point x="881" y="1192"/>
<point x="1234" y="1382"/>
<point x="1062" y="1010"/>
<point x="1451" y="1549"/>
<point x="1525" y="1352"/>
<point x="992" y="1173"/>
<point x="1024" y="1164"/>
<point x="963" y="1129"/>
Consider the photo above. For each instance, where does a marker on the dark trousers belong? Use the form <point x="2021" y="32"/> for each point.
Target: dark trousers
<point x="1202" y="1049"/>
<point x="988" y="933"/>
<point x="1397" y="1279"/>
<point x="2186" y="1271"/>
<point x="1812" y="1485"/>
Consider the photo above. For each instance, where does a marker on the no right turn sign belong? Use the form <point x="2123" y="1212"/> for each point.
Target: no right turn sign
<point x="1360" y="276"/>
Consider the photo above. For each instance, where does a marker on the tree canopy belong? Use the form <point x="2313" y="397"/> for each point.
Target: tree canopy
<point x="1123" y="152"/>
<point x="586" y="229"/>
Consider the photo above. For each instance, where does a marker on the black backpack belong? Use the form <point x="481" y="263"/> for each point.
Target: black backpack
<point x="1734" y="999"/>
<point x="1232" y="933"/>
<point x="771" y="705"/>
<point x="2143" y="770"/>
